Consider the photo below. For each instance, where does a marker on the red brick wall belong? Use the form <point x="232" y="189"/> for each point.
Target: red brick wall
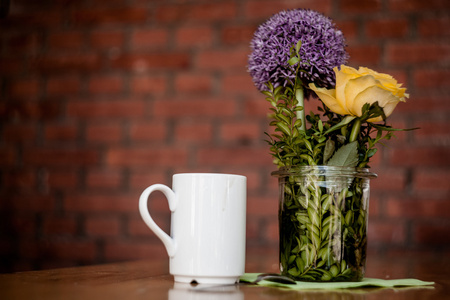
<point x="100" y="99"/>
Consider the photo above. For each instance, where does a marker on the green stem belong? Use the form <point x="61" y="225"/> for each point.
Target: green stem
<point x="299" y="95"/>
<point x="355" y="130"/>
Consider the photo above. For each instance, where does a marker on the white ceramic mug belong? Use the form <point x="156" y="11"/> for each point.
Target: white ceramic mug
<point x="207" y="241"/>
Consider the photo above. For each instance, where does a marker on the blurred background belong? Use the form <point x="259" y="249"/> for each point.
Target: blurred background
<point x="100" y="99"/>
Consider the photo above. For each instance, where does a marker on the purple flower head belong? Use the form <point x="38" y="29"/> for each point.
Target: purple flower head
<point x="322" y="49"/>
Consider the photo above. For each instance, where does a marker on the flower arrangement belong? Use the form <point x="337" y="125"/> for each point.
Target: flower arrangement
<point x="297" y="55"/>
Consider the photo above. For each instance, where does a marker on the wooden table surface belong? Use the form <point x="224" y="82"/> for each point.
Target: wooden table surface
<point x="150" y="280"/>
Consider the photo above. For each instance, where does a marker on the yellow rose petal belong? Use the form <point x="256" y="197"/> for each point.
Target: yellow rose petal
<point x="342" y="78"/>
<point x="328" y="97"/>
<point x="354" y="88"/>
<point x="372" y="94"/>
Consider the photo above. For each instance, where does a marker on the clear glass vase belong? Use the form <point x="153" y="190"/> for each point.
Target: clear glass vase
<point x="323" y="217"/>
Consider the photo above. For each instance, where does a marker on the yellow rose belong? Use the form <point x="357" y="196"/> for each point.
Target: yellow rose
<point x="354" y="88"/>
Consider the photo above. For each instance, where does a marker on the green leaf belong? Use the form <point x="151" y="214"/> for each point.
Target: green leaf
<point x="341" y="124"/>
<point x="294" y="60"/>
<point x="284" y="128"/>
<point x="298" y="46"/>
<point x="346" y="156"/>
<point x="328" y="151"/>
<point x="320" y="125"/>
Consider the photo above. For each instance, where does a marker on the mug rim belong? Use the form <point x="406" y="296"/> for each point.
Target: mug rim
<point x="207" y="174"/>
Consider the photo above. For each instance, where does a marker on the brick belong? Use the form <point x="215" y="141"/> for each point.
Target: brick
<point x="214" y="60"/>
<point x="349" y="28"/>
<point x="431" y="233"/>
<point x="106" y="39"/>
<point x="105" y="85"/>
<point x="22" y="43"/>
<point x="38" y="19"/>
<point x="431" y="78"/>
<point x="106" y="108"/>
<point x="365" y="54"/>
<point x="11" y="65"/>
<point x="434" y="27"/>
<point x="137" y="227"/>
<point x="272" y="232"/>
<point x="20" y="179"/>
<point x="193" y="83"/>
<point x="28" y="202"/>
<point x="60" y="157"/>
<point x="374" y="205"/>
<point x="60" y="63"/>
<point x="389" y="179"/>
<point x="64" y="178"/>
<point x="102" y="226"/>
<point x="432" y="180"/>
<point x="65" y="41"/>
<point x="253" y="228"/>
<point x="418" y="53"/>
<point x="148" y="131"/>
<point x="61" y="132"/>
<point x="360" y="7"/>
<point x="194" y="107"/>
<point x="149" y="38"/>
<point x="68" y="249"/>
<point x="418" y="6"/>
<point x="149" y="84"/>
<point x="30" y="110"/>
<point x="141" y="179"/>
<point x="258" y="9"/>
<point x="433" y="100"/>
<point x="198" y="36"/>
<point x="237" y="34"/>
<point x="262" y="206"/>
<point x="123" y="15"/>
<point x="387" y="28"/>
<point x="19" y="133"/>
<point x="144" y="62"/>
<point x="386" y="232"/>
<point x="23" y="223"/>
<point x="244" y="132"/>
<point x="235" y="156"/>
<point x="104" y="133"/>
<point x="419" y="156"/>
<point x="127" y="250"/>
<point x="194" y="131"/>
<point x="238" y="82"/>
<point x="206" y="12"/>
<point x="417" y="208"/>
<point x="57" y="86"/>
<point x="104" y="178"/>
<point x="257" y="106"/>
<point x="432" y="131"/>
<point x="100" y="202"/>
<point x="28" y="88"/>
<point x="145" y="157"/>
<point x="59" y="225"/>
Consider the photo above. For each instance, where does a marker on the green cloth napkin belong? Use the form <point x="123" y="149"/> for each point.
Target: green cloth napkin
<point x="366" y="282"/>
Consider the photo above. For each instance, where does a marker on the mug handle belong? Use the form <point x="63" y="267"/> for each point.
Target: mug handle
<point x="168" y="242"/>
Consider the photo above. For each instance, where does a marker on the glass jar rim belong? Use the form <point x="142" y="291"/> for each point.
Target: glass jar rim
<point x="324" y="170"/>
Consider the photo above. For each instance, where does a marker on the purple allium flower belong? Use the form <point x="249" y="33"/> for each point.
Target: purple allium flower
<point x="322" y="49"/>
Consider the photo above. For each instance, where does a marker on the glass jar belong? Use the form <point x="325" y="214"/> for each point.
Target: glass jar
<point x="323" y="217"/>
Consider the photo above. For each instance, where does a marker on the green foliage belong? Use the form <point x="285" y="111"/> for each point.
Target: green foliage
<point x="325" y="135"/>
<point x="317" y="139"/>
<point x="323" y="223"/>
